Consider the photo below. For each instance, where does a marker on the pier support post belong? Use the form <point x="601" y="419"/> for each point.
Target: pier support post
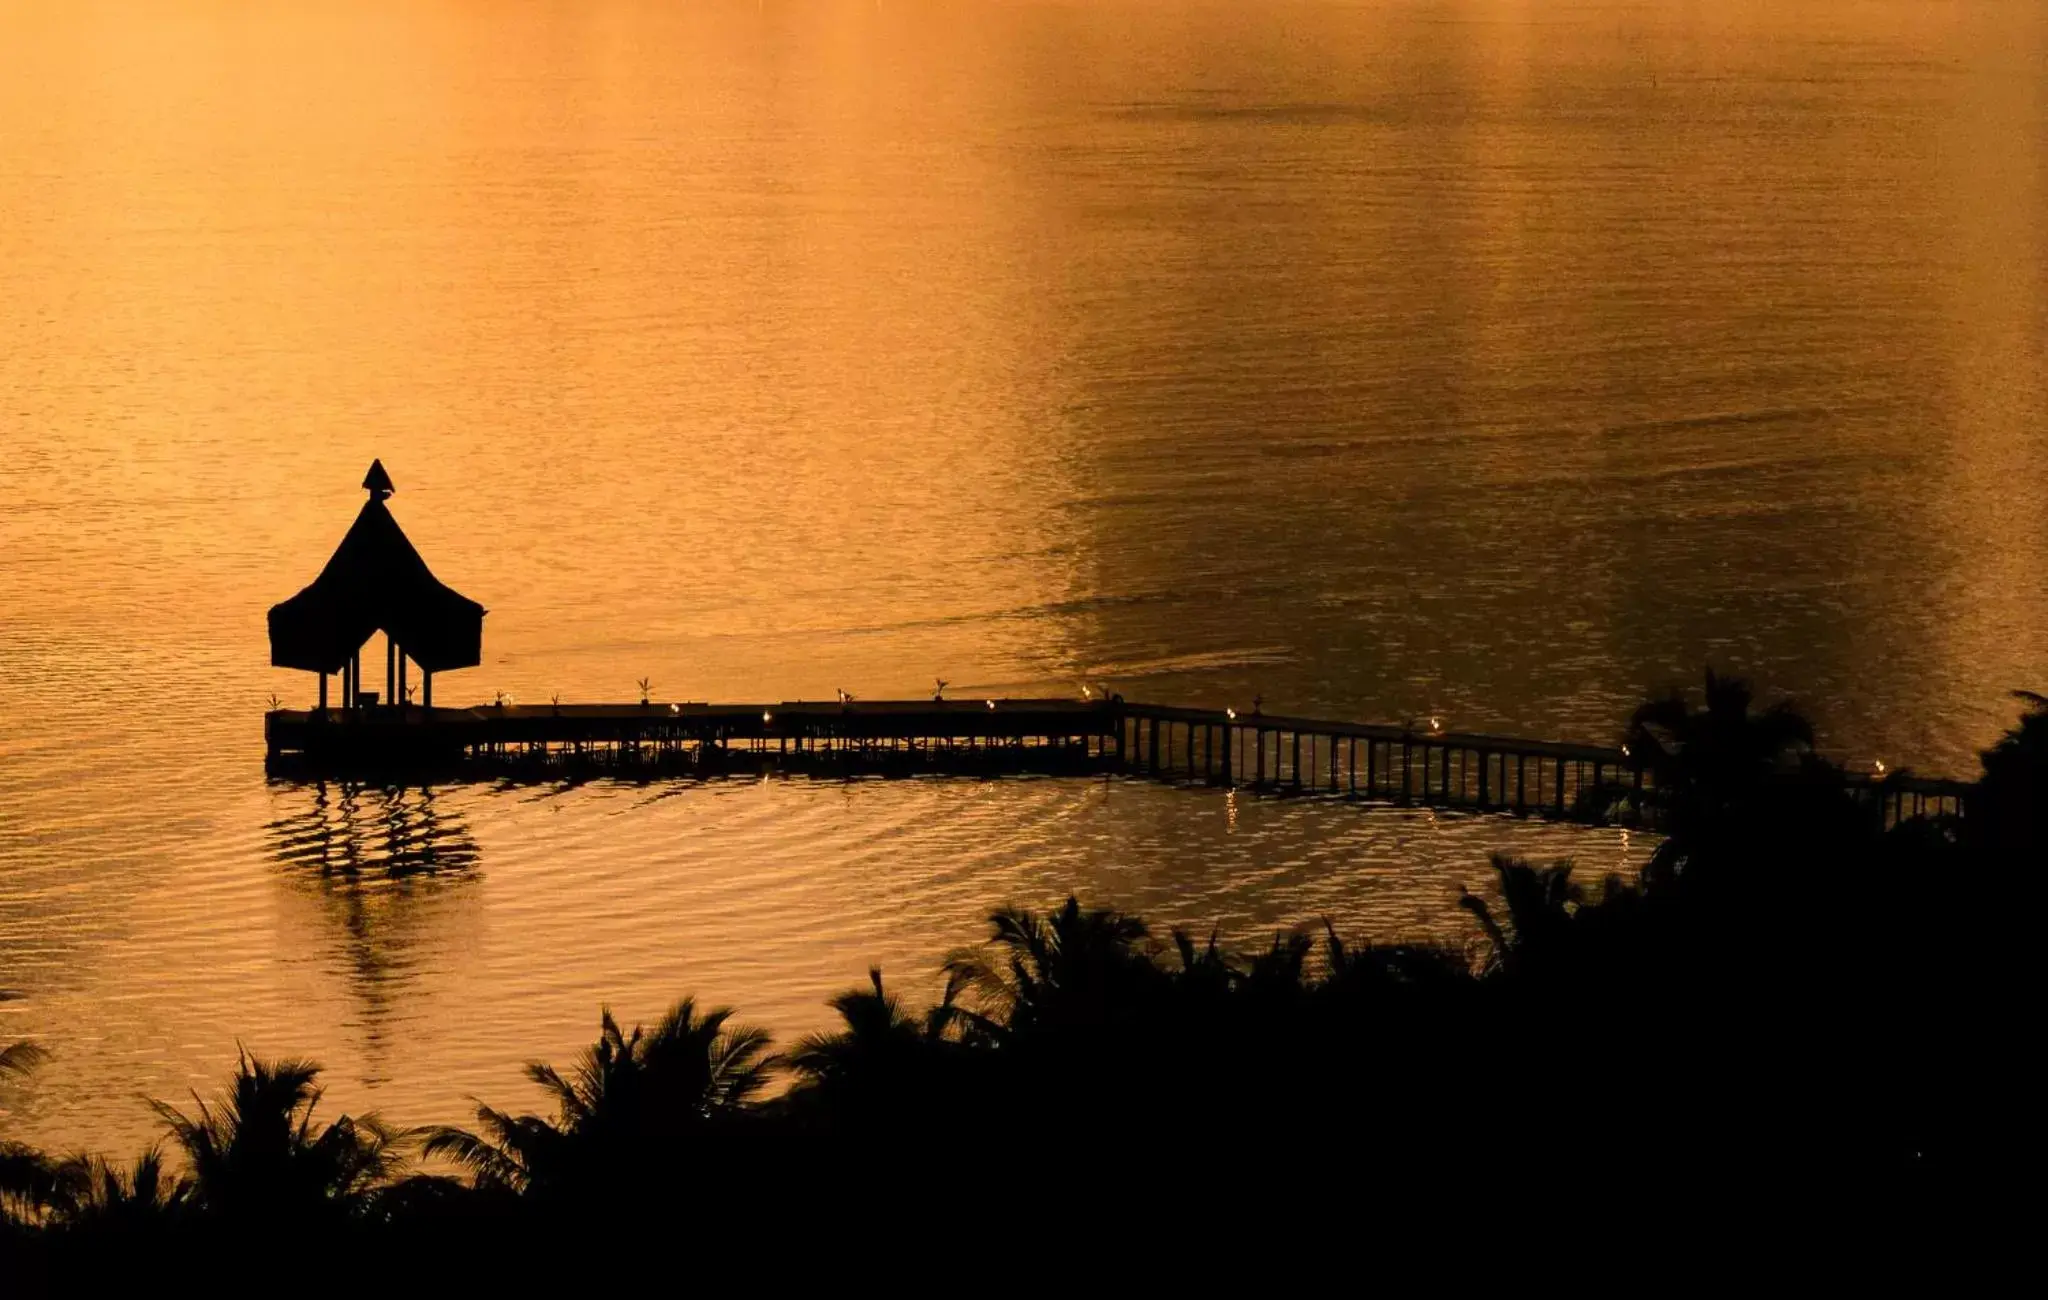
<point x="1259" y="771"/>
<point x="1297" y="760"/>
<point x="1485" y="765"/>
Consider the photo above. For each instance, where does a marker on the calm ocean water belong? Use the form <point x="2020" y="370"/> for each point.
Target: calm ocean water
<point x="1490" y="359"/>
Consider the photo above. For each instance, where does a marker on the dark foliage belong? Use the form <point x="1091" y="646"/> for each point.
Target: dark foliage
<point x="2009" y="816"/>
<point x="1789" y="1001"/>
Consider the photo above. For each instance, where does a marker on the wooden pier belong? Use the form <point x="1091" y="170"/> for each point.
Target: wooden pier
<point x="1558" y="780"/>
<point x="888" y="736"/>
<point x="1220" y="747"/>
<point x="377" y="582"/>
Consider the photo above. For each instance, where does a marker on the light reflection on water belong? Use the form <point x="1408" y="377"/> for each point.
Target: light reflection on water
<point x="353" y="832"/>
<point x="1391" y="360"/>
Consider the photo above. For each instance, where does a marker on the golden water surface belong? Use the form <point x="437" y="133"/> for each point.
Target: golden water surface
<point x="1497" y="359"/>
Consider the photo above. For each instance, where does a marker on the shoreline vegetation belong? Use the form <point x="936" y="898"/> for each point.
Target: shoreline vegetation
<point x="1788" y="998"/>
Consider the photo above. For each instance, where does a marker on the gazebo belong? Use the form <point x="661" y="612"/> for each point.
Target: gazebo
<point x="376" y="582"/>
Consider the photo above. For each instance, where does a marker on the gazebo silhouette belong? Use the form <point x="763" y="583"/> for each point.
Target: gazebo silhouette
<point x="376" y="582"/>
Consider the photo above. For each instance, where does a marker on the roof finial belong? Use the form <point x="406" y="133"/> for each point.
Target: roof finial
<point x="378" y="482"/>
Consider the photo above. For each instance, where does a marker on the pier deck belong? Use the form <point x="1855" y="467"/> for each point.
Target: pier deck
<point x="1266" y="752"/>
<point x="944" y="735"/>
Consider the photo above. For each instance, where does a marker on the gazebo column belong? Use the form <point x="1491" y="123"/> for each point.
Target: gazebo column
<point x="323" y="695"/>
<point x="390" y="669"/>
<point x="427" y="687"/>
<point x="399" y="699"/>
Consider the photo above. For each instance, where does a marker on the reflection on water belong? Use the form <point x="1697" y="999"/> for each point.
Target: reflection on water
<point x="353" y="831"/>
<point x="1473" y="358"/>
<point x="379" y="862"/>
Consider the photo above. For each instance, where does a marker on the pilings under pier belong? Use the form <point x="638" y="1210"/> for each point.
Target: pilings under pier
<point x="1397" y="764"/>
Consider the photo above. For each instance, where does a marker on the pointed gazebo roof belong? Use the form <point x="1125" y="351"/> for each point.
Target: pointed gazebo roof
<point x="376" y="582"/>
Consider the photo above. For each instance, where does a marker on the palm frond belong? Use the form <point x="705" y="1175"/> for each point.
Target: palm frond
<point x="20" y="1058"/>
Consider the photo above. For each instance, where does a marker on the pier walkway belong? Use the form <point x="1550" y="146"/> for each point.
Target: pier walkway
<point x="1220" y="747"/>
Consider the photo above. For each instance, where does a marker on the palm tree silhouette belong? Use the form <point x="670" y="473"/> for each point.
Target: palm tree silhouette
<point x="625" y="1091"/>
<point x="1070" y="968"/>
<point x="885" y="1068"/>
<point x="256" y="1152"/>
<point x="506" y="1152"/>
<point x="1721" y="749"/>
<point x="1540" y="904"/>
<point x="27" y="1177"/>
<point x="93" y="1193"/>
<point x="876" y="1028"/>
<point x="2009" y="814"/>
<point x="1718" y="770"/>
<point x="28" y="1184"/>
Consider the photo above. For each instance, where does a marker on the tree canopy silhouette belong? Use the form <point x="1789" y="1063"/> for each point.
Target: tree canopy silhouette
<point x="1789" y="994"/>
<point x="255" y="1151"/>
<point x="627" y="1095"/>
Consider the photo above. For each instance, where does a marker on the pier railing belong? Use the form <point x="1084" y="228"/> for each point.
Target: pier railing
<point x="1486" y="773"/>
<point x="1264" y="752"/>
